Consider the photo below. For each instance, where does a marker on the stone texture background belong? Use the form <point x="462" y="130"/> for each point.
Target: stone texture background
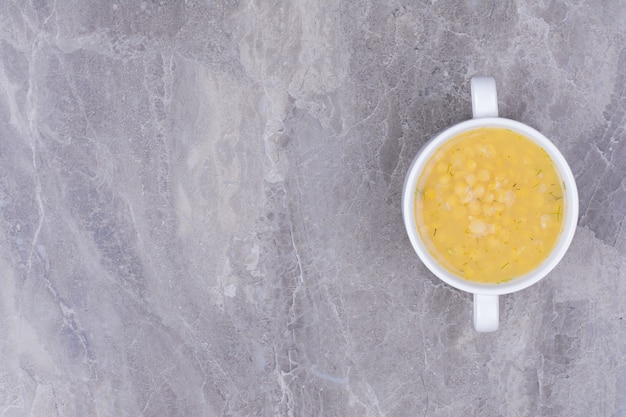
<point x="200" y="208"/>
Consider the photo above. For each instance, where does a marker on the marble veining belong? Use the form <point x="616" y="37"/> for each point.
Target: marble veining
<point x="200" y="208"/>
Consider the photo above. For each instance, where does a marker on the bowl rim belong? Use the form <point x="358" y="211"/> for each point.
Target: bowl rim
<point x="570" y="212"/>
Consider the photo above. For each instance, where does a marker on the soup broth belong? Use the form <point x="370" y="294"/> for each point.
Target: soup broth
<point x="489" y="205"/>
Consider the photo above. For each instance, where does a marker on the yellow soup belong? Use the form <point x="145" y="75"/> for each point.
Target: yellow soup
<point x="489" y="205"/>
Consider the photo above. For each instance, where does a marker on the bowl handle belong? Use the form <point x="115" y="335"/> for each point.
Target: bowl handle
<point x="486" y="312"/>
<point x="484" y="97"/>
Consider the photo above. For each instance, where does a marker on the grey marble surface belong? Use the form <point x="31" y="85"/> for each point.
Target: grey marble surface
<point x="200" y="208"/>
